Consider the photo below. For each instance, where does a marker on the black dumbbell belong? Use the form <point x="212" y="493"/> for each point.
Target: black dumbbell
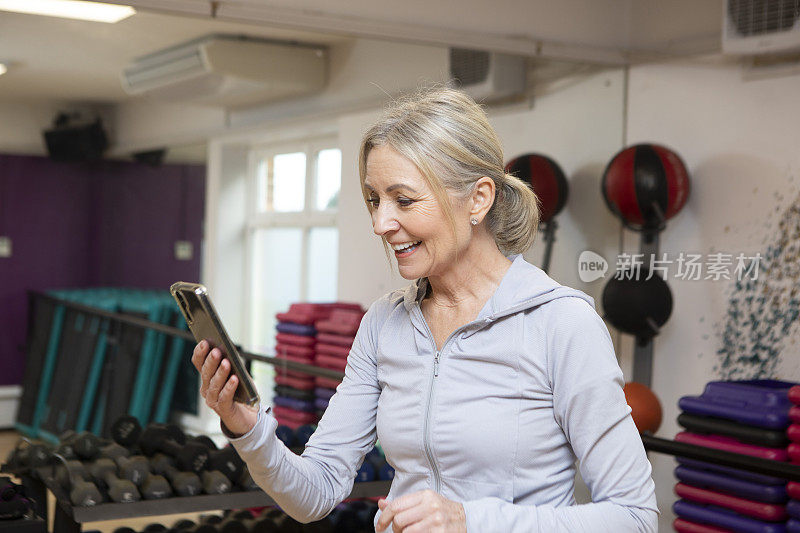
<point x="72" y="476"/>
<point x="154" y="528"/>
<point x="126" y="431"/>
<point x="228" y="462"/>
<point x="135" y="468"/>
<point x="104" y="472"/>
<point x="246" y="481"/>
<point x="124" y="529"/>
<point x="182" y="524"/>
<point x="156" y="487"/>
<point x="235" y="522"/>
<point x="190" y="456"/>
<point x="184" y="483"/>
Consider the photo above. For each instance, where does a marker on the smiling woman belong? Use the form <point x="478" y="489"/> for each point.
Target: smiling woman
<point x="484" y="379"/>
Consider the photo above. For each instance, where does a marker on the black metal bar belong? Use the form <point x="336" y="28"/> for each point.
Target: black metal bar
<point x="767" y="467"/>
<point x="175" y="332"/>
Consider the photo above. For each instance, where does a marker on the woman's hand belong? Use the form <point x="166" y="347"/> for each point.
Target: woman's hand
<point x="217" y="388"/>
<point x="422" y="511"/>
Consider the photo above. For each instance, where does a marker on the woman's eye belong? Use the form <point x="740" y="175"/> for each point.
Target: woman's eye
<point x="405" y="202"/>
<point x="373" y="201"/>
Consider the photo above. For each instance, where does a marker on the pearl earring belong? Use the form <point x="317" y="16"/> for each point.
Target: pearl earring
<point x="473" y="221"/>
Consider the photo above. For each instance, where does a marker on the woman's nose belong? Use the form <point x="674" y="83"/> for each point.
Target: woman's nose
<point x="383" y="221"/>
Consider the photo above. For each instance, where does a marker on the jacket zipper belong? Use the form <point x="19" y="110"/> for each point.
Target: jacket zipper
<point x="426" y="439"/>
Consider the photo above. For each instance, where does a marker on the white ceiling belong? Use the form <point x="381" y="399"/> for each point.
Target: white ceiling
<point x="67" y="60"/>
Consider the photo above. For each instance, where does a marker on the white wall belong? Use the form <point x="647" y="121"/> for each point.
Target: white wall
<point x="740" y="143"/>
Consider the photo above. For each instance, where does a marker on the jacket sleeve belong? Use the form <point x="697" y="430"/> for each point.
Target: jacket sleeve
<point x="309" y="486"/>
<point x="590" y="408"/>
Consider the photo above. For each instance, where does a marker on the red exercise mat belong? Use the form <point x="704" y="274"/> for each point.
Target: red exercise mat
<point x="732" y="445"/>
<point x="338" y="340"/>
<point x="341" y="322"/>
<point x="794" y="452"/>
<point x="294" y="350"/>
<point x="290" y="422"/>
<point x="794" y="395"/>
<point x="682" y="525"/>
<point x="332" y="362"/>
<point x="326" y="383"/>
<point x="293" y="414"/>
<point x="308" y="313"/>
<point x="292" y="373"/>
<point x="793" y="432"/>
<point x="295" y="340"/>
<point x="762" y="511"/>
<point x="793" y="490"/>
<point x="794" y="414"/>
<point x="296" y="359"/>
<point x="297" y="383"/>
<point x="332" y="349"/>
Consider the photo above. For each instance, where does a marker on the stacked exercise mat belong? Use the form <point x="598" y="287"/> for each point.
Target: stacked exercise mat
<point x="296" y="400"/>
<point x="793" y="487"/>
<point x="746" y="417"/>
<point x="121" y="368"/>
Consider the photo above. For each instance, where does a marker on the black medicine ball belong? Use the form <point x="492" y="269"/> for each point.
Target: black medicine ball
<point x="639" y="304"/>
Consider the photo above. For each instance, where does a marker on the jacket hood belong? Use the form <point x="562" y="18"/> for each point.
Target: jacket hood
<point x="523" y="287"/>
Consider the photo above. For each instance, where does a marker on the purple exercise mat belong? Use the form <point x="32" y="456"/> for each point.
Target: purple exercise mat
<point x="734" y="472"/>
<point x="294" y="403"/>
<point x="738" y="487"/>
<point x="793" y="525"/>
<point x="793" y="508"/>
<point x="761" y="402"/>
<point x="717" y="516"/>
<point x="296" y="329"/>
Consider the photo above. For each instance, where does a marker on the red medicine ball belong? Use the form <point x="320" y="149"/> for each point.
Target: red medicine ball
<point x="546" y="179"/>
<point x="645" y="185"/>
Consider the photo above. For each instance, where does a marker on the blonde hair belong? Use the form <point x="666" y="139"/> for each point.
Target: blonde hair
<point x="448" y="137"/>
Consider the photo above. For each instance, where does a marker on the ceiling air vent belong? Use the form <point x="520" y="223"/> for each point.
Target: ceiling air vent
<point x="753" y="27"/>
<point x="487" y="75"/>
<point x="230" y="71"/>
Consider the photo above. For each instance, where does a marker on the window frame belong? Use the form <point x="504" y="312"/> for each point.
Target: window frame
<point x="306" y="220"/>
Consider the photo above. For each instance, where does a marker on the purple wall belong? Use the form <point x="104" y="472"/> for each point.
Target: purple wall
<point x="82" y="225"/>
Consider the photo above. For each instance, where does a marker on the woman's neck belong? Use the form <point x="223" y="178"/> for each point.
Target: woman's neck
<point x="472" y="279"/>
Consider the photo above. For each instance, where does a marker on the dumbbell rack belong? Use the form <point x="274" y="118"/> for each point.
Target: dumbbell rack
<point x="69" y="518"/>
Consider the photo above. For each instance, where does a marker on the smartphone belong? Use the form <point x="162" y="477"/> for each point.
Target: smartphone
<point x="205" y="325"/>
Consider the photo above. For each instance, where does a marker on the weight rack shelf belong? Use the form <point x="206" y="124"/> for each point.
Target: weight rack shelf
<point x="68" y="518"/>
<point x="175" y="332"/>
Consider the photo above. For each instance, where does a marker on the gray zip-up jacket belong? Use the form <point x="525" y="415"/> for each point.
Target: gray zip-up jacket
<point x="495" y="419"/>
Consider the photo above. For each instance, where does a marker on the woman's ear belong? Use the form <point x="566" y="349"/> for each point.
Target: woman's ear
<point x="482" y="198"/>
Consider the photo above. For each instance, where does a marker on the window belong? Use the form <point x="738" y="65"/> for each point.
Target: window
<point x="292" y="238"/>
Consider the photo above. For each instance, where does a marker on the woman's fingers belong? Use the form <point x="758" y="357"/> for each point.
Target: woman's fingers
<point x="199" y="355"/>
<point x="208" y="370"/>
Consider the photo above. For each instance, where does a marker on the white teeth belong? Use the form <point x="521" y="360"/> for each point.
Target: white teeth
<point x="403" y="246"/>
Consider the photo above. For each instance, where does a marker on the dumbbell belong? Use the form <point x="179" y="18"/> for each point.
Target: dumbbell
<point x="137" y="470"/>
<point x="184" y="483"/>
<point x="236" y="522"/>
<point x="154" y="528"/>
<point x="104" y="472"/>
<point x="228" y="462"/>
<point x="246" y="481"/>
<point x="190" y="456"/>
<point x="124" y="529"/>
<point x="182" y="524"/>
<point x="73" y="477"/>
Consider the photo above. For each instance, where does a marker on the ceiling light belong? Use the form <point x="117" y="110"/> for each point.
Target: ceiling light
<point x="3" y="69"/>
<point x="72" y="9"/>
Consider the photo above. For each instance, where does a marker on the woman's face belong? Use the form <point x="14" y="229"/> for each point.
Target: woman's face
<point x="406" y="213"/>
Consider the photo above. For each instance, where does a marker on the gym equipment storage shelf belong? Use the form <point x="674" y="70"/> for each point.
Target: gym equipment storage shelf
<point x="68" y="518"/>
